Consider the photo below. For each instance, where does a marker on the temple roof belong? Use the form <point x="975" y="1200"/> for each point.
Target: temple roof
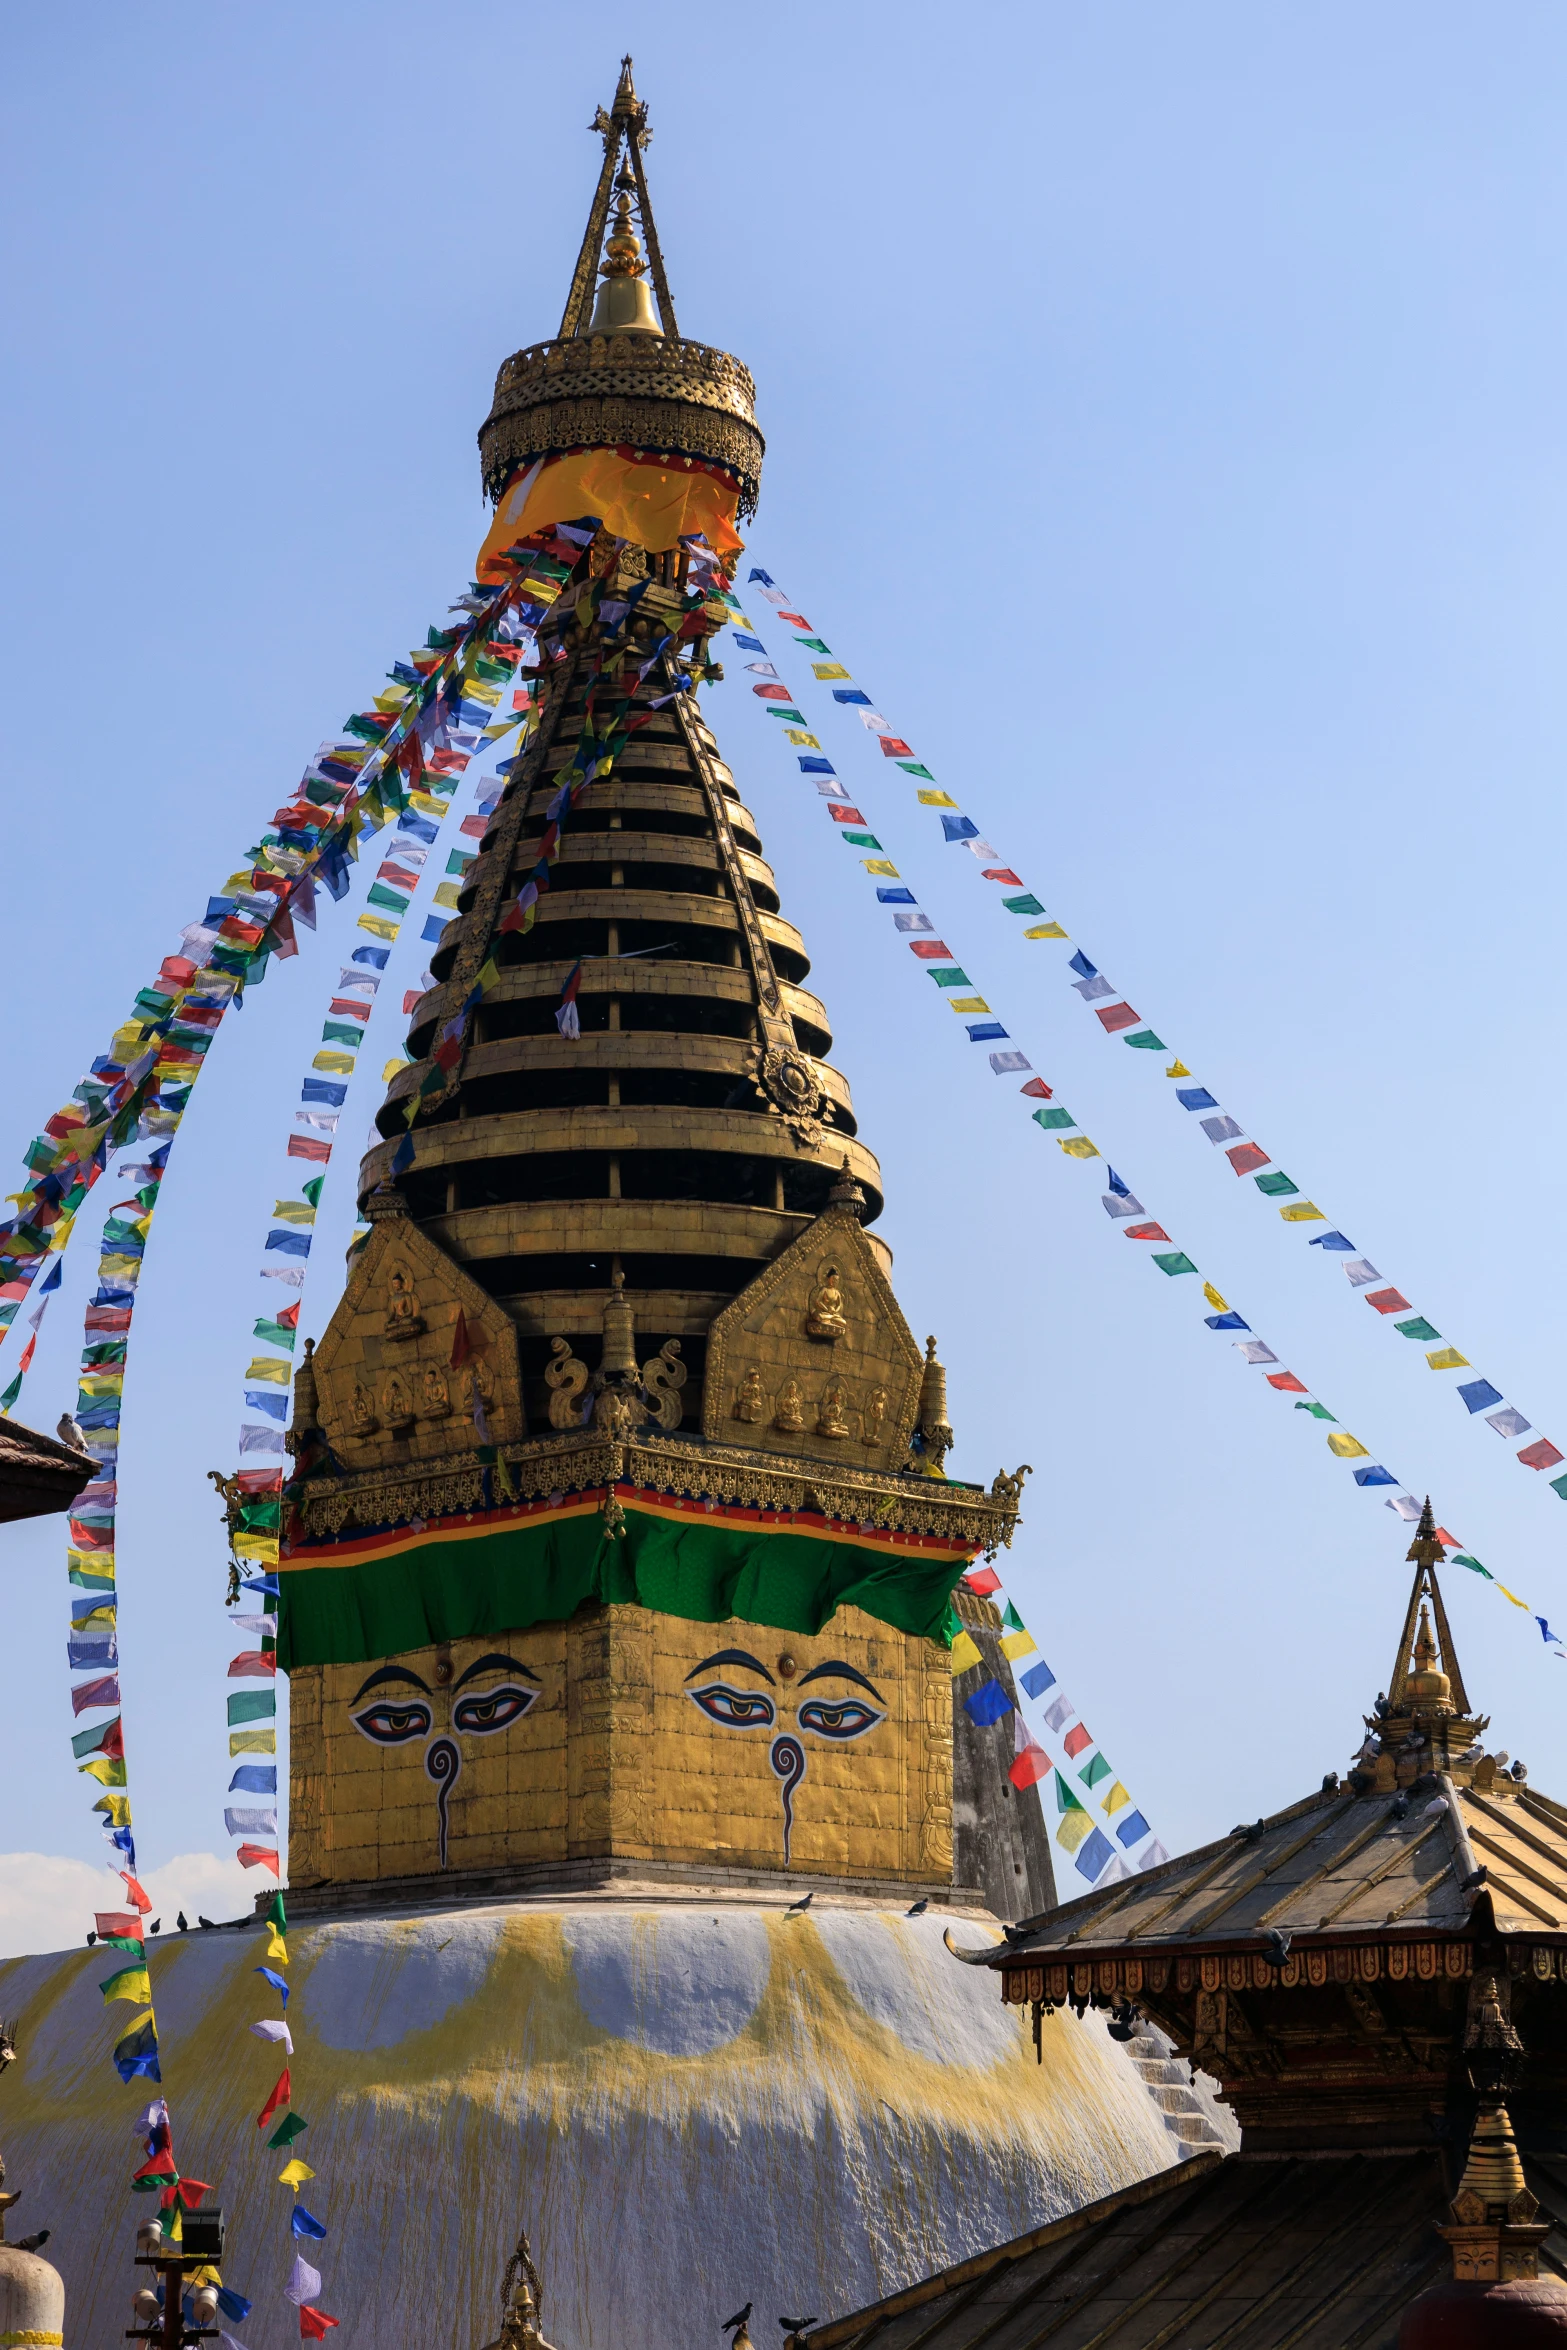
<point x="38" y="1475"/>
<point x="1247" y="2255"/>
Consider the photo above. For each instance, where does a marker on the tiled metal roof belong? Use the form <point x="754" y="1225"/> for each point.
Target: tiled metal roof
<point x="1226" y="2253"/>
<point x="38" y="1475"/>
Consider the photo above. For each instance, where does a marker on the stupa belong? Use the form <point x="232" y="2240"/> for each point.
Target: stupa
<point x="627" y="1803"/>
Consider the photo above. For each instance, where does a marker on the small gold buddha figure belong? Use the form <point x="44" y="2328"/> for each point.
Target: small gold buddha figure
<point x="826" y="1319"/>
<point x="403" y="1318"/>
<point x="750" y="1402"/>
<point x="361" y="1408"/>
<point x="790" y="1415"/>
<point x="396" y="1403"/>
<point x="873" y="1420"/>
<point x="435" y="1396"/>
<point x="831" y="1420"/>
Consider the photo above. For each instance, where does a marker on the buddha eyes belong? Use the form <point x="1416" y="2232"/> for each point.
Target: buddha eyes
<point x="737" y="1709"/>
<point x="391" y="1723"/>
<point x="492" y="1709"/>
<point x="848" y="1718"/>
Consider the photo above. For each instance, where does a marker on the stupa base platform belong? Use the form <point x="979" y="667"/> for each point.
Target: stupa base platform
<point x="619" y="1879"/>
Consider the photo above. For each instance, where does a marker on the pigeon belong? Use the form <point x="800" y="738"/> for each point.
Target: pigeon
<point x="1278" y="1943"/>
<point x="33" y="2243"/>
<point x="731" y="2324"/>
<point x="156" y="1927"/>
<point x="1398" y="1809"/>
<point x="916" y="1909"/>
<point x="201" y="1921"/>
<point x="798" y="1908"/>
<point x="1473" y="1884"/>
<point x="91" y="1939"/>
<point x="797" y="2325"/>
<point x="182" y="1921"/>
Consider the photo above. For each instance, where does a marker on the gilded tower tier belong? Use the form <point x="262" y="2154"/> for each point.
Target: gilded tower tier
<point x="621" y="1360"/>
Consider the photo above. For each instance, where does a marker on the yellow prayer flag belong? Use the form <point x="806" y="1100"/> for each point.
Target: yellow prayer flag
<point x="261" y="1549"/>
<point x="1016" y="1644"/>
<point x="1116" y="1800"/>
<point x="1078" y="1146"/>
<point x="1045" y="930"/>
<point x="1177" y="1069"/>
<point x="378" y="926"/>
<point x="335" y="1064"/>
<point x="1448" y="1358"/>
<point x="111" y="1266"/>
<point x="801" y="740"/>
<point x="293" y="1211"/>
<point x="967" y="1003"/>
<point x="1073" y="1828"/>
<point x="1305" y="1212"/>
<point x="881" y="865"/>
<point x="294" y="2174"/>
<point x="935" y="799"/>
<point x="828" y="669"/>
<point x="1347" y="1448"/>
<point x="428" y="805"/>
<point x="446" y="895"/>
<point x="247" y="1742"/>
<point x="391" y="1069"/>
<point x="965" y="1655"/>
<point x="272" y="1369"/>
<point x="116" y="1809"/>
<point x="1512" y="1595"/>
<point x="107" y="1769"/>
<point x="1214" y="1299"/>
<point x="277" y="1948"/>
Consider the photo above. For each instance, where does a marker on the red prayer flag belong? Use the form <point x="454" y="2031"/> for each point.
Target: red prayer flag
<point x="1037" y="1090"/>
<point x="189" y="2192"/>
<point x="134" y="1894"/>
<point x="309" y="1146"/>
<point x="449" y="762"/>
<point x="1246" y="1158"/>
<point x="1002" y="873"/>
<point x="772" y="693"/>
<point x="288" y="1319"/>
<point x="1113" y="1017"/>
<point x="1388" y="1301"/>
<point x="253" y="1664"/>
<point x="282" y="2095"/>
<point x="1146" y="1232"/>
<point x="412" y="1000"/>
<point x="124" y="1922"/>
<point x="252" y="1856"/>
<point x="843" y="815"/>
<point x="161" y="2166"/>
<point x="1543" y="1455"/>
<point x="1030" y="1767"/>
<point x="1286" y="1383"/>
<point x="27" y="1353"/>
<point x="263" y="1480"/>
<point x="313" y="2323"/>
<point x="982" y="1581"/>
<point x="1076" y="1739"/>
<point x="477" y="826"/>
<point x="932" y="950"/>
<point x="893" y="746"/>
<point x="1451" y="1540"/>
<point x="349" y="1005"/>
<point x="796" y="620"/>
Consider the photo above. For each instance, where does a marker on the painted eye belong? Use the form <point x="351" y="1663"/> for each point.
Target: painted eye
<point x="736" y="1709"/>
<point x="849" y="1718"/>
<point x="391" y="1724"/>
<point x="492" y="1709"/>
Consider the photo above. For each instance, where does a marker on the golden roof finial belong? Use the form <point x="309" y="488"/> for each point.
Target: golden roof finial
<point x="1426" y="1550"/>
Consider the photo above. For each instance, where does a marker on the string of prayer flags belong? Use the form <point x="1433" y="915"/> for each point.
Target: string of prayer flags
<point x="1244" y="1155"/>
<point x="988" y="1705"/>
<point x="916" y="926"/>
<point x="304" y="2285"/>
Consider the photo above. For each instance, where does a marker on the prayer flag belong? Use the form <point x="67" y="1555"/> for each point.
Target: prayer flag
<point x="1374" y="1476"/>
<point x="1387" y="1301"/>
<point x="1076" y="1739"/>
<point x="1094" y="1770"/>
<point x="964" y="1654"/>
<point x="305" y="2224"/>
<point x="1359" y="1271"/>
<point x="252" y="1856"/>
<point x="1347" y="1448"/>
<point x="1078" y="1146"/>
<point x="1037" y="1679"/>
<point x="1334" y="1241"/>
<point x="1096" y="1852"/>
<point x="1145" y="1232"/>
<point x="1254" y="1351"/>
<point x="1029" y="1767"/>
<point x="1306" y="1213"/>
<point x="983" y="1581"/>
<point x="128" y="1982"/>
<point x="304" y="2282"/>
<point x="1145" y="1042"/>
<point x="277" y="2101"/>
<point x="1245" y="1158"/>
<point x="1478" y="1393"/>
<point x="1540" y="1455"/>
<point x="293" y="2126"/>
<point x="988" y="1704"/>
<point x="314" y="2324"/>
<point x="1223" y="1129"/>
<point x="1286" y="1383"/>
<point x="1176" y="1262"/>
<point x="1417" y="1327"/>
<point x="1447" y="1358"/>
<point x="1196" y="1097"/>
<point x="1018" y="1643"/>
<point x="1046" y="930"/>
<point x="1275" y="1186"/>
<point x="294" y="2174"/>
<point x="1507" y="1422"/>
<point x="1132" y="1830"/>
<point x="1114" y="1799"/>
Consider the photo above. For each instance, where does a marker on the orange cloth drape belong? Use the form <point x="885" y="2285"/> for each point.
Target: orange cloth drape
<point x="653" y="501"/>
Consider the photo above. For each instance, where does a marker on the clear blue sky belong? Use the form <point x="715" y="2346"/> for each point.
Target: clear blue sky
<point x="1164" y="422"/>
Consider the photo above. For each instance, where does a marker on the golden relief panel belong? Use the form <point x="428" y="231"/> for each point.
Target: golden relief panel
<point x="417" y="1362"/>
<point x="629" y="1734"/>
<point x="816" y="1357"/>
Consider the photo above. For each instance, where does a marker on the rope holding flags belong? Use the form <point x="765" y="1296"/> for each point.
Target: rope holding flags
<point x="1242" y="1152"/>
<point x="915" y="926"/>
<point x="1092" y="1853"/>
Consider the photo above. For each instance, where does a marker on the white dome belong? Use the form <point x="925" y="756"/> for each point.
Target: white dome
<point x="688" y="2104"/>
<point x="32" y="2301"/>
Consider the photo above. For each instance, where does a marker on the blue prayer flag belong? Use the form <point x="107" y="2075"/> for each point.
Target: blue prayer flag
<point x="254" y="1779"/>
<point x="403" y="1156"/>
<point x="850" y="693"/>
<point x="93" y="1656"/>
<point x="266" y="1583"/>
<point x="814" y="766"/>
<point x="1132" y="1829"/>
<point x="420" y="827"/>
<point x="434" y="928"/>
<point x="752" y="644"/>
<point x="1116" y="1185"/>
<point x="1374" y="1476"/>
<point x="989" y="1704"/>
<point x="1082" y="966"/>
<point x="233" y="2305"/>
<point x="984" y="1031"/>
<point x="1545" y="1631"/>
<point x="1334" y="1241"/>
<point x="1094" y="1855"/>
<point x="304" y="2223"/>
<point x="959" y="828"/>
<point x="289" y="1244"/>
<point x="260" y="1400"/>
<point x="896" y="897"/>
<point x="1479" y="1394"/>
<point x="1195" y="1097"/>
<point x="320" y="1089"/>
<point x="765" y="577"/>
<point x="277" y="1981"/>
<point x="1225" y="1322"/>
<point x="1038" y="1679"/>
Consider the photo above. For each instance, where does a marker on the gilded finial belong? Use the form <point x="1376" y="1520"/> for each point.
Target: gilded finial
<point x="1425" y="1550"/>
<point x="845" y="1192"/>
<point x="936" y="1437"/>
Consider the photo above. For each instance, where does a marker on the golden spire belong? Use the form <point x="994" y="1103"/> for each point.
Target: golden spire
<point x="1493" y="2171"/>
<point x="1426" y="1677"/>
<point x="625" y="303"/>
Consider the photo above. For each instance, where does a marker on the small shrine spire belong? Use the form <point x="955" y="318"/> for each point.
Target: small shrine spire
<point x="623" y="305"/>
<point x="1426" y="1676"/>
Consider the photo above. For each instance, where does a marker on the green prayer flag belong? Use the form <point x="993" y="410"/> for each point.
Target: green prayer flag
<point x="1053" y="1118"/>
<point x="1174" y="1260"/>
<point x="276" y="1915"/>
<point x="913" y="767"/>
<point x="1559" y="1486"/>
<point x="813" y="644"/>
<point x="130" y="1982"/>
<point x="1275" y="1185"/>
<point x="339" y="1032"/>
<point x="861" y="840"/>
<point x="292" y="2126"/>
<point x="1023" y="905"/>
<point x="1065" y="1799"/>
<point x="952" y="978"/>
<point x="1461" y="1558"/>
<point x="11" y="1393"/>
<point x="392" y="899"/>
<point x="1011" y="1621"/>
<point x="252" y="1705"/>
<point x="1318" y="1411"/>
<point x="312" y="1190"/>
<point x="1416" y="1327"/>
<point x="1092" y="1772"/>
<point x="276" y="1335"/>
<point x="1145" y="1041"/>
